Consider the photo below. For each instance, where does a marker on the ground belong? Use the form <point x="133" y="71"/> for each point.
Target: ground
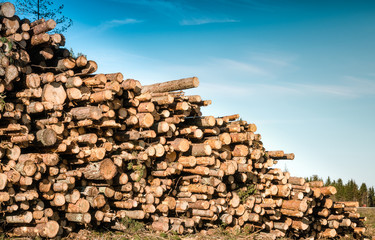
<point x="370" y="223"/>
<point x="137" y="231"/>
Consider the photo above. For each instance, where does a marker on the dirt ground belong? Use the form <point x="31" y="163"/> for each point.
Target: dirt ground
<point x="138" y="231"/>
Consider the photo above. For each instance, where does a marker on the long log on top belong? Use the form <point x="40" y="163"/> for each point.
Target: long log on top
<point x="174" y="85"/>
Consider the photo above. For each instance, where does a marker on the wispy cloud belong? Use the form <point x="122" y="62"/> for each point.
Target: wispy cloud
<point x="262" y="5"/>
<point x="117" y="22"/>
<point x="349" y="86"/>
<point x="326" y="89"/>
<point x="189" y="22"/>
<point x="185" y="12"/>
<point x="241" y="66"/>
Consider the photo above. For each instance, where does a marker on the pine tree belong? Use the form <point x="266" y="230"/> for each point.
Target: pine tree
<point x="363" y="195"/>
<point x="371" y="197"/>
<point x="340" y="190"/>
<point x="351" y="191"/>
<point x="328" y="181"/>
<point x="315" y="178"/>
<point x="37" y="9"/>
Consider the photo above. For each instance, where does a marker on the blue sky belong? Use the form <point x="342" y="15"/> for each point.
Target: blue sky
<point x="302" y="71"/>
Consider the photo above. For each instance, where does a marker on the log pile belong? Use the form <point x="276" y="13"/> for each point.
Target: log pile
<point x="80" y="149"/>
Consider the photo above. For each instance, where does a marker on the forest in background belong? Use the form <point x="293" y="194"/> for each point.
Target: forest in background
<point x="349" y="191"/>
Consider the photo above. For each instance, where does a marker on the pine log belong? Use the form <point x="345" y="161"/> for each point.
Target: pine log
<point x="46" y="136"/>
<point x="103" y="170"/>
<point x="83" y="218"/>
<point x="89" y="112"/>
<point x="81" y="206"/>
<point x="54" y="93"/>
<point x="11" y="73"/>
<point x="169" y="86"/>
<point x="329" y="233"/>
<point x="198" y="150"/>
<point x="90" y="68"/>
<point x="7" y="9"/>
<point x="81" y="61"/>
<point x="4" y="196"/>
<point x="65" y="64"/>
<point x="48" y="230"/>
<point x="133" y="214"/>
<point x="118" y="77"/>
<point x="180" y="144"/>
<point x="44" y="27"/>
<point x="25" y="217"/>
<point x="40" y="39"/>
<point x="33" y="80"/>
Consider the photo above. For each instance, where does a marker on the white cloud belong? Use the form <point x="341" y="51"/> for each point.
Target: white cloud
<point x="117" y="22"/>
<point x="349" y="86"/>
<point x="240" y="66"/>
<point x="326" y="89"/>
<point x="186" y="12"/>
<point x="200" y="21"/>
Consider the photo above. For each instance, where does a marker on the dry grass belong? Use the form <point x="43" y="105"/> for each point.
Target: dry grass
<point x="139" y="231"/>
<point x="369" y="213"/>
<point x="131" y="233"/>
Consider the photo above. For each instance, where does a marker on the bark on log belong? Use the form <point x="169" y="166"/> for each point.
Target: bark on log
<point x="26" y="217"/>
<point x="103" y="170"/>
<point x="11" y="73"/>
<point x="44" y="27"/>
<point x="169" y="86"/>
<point x="83" y="218"/>
<point x="89" y="112"/>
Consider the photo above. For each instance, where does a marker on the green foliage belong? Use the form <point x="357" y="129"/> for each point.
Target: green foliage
<point x="2" y="101"/>
<point x="362" y="194"/>
<point x="245" y="192"/>
<point x="7" y="42"/>
<point x="130" y="165"/>
<point x="163" y="235"/>
<point x="313" y="178"/>
<point x="371" y="197"/>
<point x="138" y="168"/>
<point x="328" y="182"/>
<point x="174" y="236"/>
<point x="37" y="9"/>
<point x="76" y="55"/>
<point x="132" y="225"/>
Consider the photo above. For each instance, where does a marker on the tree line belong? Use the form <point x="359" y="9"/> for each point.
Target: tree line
<point x="349" y="191"/>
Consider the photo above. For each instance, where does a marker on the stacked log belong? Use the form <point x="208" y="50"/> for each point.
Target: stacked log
<point x="81" y="149"/>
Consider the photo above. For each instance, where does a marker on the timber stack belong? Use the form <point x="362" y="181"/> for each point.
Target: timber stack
<point x="80" y="149"/>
